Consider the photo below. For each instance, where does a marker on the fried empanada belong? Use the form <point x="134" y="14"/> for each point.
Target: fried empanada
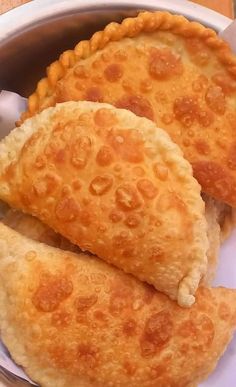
<point x="32" y="228"/>
<point x="114" y="184"/>
<point x="72" y="320"/>
<point x="168" y="69"/>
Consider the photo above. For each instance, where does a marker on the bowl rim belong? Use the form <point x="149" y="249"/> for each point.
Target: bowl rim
<point x="35" y="12"/>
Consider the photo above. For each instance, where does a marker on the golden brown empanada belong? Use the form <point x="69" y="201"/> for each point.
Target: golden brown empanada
<point x="163" y="67"/>
<point x="114" y="184"/>
<point x="72" y="320"/>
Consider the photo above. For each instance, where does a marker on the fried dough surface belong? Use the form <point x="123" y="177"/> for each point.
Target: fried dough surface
<point x="163" y="67"/>
<point x="32" y="228"/>
<point x="72" y="320"/>
<point x="114" y="184"/>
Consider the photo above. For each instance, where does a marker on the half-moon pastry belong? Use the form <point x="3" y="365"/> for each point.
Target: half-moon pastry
<point x="114" y="184"/>
<point x="72" y="320"/>
<point x="168" y="69"/>
<point x="32" y="228"/>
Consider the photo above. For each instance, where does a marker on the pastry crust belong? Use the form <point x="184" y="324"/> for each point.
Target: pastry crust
<point x="72" y="320"/>
<point x="32" y="228"/>
<point x="114" y="184"/>
<point x="173" y="71"/>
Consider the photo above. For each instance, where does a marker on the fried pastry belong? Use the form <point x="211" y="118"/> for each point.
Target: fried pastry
<point x="114" y="184"/>
<point x="168" y="69"/>
<point x="32" y="228"/>
<point x="72" y="320"/>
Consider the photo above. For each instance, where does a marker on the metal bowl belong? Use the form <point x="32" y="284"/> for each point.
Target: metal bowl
<point x="33" y="35"/>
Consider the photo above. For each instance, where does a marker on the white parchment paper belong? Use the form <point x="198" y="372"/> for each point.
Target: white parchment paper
<point x="11" y="105"/>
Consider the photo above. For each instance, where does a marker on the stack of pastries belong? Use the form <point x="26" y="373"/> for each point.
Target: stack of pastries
<point x="111" y="244"/>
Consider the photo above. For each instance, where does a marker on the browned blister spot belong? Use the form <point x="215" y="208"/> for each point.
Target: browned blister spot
<point x="161" y="171"/>
<point x="186" y="110"/>
<point x="46" y="184"/>
<point x="157" y="333"/>
<point x="132" y="220"/>
<point x="80" y="151"/>
<point x="88" y="355"/>
<point x="129" y="328"/>
<point x="84" y="303"/>
<point x="115" y="216"/>
<point x="164" y="64"/>
<point x="225" y="81"/>
<point x="113" y="72"/>
<point x="101" y="184"/>
<point x="202" y="147"/>
<point x="127" y="197"/>
<point x="147" y="188"/>
<point x="104" y="117"/>
<point x="61" y="318"/>
<point x="205" y="118"/>
<point x="197" y="51"/>
<point x="76" y="184"/>
<point x="128" y="144"/>
<point x="215" y="99"/>
<point x="101" y="317"/>
<point x="52" y="290"/>
<point x="136" y="104"/>
<point x="104" y="156"/>
<point x="94" y="94"/>
<point x="129" y="368"/>
<point x="67" y="209"/>
<point x="60" y="356"/>
<point x="60" y="156"/>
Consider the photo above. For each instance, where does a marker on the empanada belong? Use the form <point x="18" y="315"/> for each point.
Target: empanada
<point x="114" y="184"/>
<point x="32" y="228"/>
<point x="74" y="321"/>
<point x="163" y="67"/>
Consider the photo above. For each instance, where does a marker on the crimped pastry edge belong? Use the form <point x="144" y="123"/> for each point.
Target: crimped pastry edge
<point x="129" y="27"/>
